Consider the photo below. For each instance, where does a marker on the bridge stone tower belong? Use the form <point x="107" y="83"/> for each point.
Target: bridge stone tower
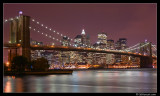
<point x="20" y="34"/>
<point x="146" y="61"/>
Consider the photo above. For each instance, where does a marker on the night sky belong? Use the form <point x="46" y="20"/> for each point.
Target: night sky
<point x="136" y="22"/>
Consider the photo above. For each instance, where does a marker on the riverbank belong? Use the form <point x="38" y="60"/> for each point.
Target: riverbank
<point x="118" y="69"/>
<point x="11" y="73"/>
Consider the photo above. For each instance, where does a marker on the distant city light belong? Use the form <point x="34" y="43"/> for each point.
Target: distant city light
<point x="7" y="64"/>
<point x="145" y="40"/>
<point x="20" y="12"/>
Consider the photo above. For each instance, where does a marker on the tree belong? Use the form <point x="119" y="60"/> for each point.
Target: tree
<point x="5" y="67"/>
<point x="41" y="64"/>
<point x="19" y="63"/>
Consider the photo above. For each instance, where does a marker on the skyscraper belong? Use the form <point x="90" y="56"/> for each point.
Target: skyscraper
<point x="78" y="41"/>
<point x="121" y="44"/>
<point x="102" y="41"/>
<point x="65" y="41"/>
<point x="82" y="40"/>
<point x="110" y="44"/>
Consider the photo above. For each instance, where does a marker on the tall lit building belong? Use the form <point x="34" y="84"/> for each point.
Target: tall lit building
<point x="118" y="45"/>
<point x="110" y="44"/>
<point x="88" y="43"/>
<point x="102" y="38"/>
<point x="85" y="39"/>
<point x="82" y="40"/>
<point x="123" y="42"/>
<point x="102" y="41"/>
<point x="65" y="41"/>
<point x="78" y="41"/>
<point x="110" y="57"/>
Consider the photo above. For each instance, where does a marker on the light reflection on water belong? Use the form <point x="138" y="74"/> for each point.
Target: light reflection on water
<point x="89" y="81"/>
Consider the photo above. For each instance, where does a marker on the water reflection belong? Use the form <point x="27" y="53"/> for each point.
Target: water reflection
<point x="85" y="81"/>
<point x="19" y="85"/>
<point x="8" y="87"/>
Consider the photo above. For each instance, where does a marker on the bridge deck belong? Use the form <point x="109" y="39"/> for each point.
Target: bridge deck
<point x="63" y="48"/>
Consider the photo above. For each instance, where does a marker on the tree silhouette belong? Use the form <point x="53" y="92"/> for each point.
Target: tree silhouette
<point x="41" y="64"/>
<point x="19" y="63"/>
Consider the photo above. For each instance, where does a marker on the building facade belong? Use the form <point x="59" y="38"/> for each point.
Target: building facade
<point x="102" y="40"/>
<point x="65" y="41"/>
<point x="110" y="44"/>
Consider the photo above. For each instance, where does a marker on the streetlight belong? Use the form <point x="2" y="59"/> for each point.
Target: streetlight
<point x="7" y="64"/>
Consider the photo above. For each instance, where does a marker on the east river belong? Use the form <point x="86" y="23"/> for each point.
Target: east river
<point x="86" y="81"/>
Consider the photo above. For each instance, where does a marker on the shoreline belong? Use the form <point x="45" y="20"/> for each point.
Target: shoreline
<point x="70" y="71"/>
<point x="13" y="73"/>
<point x="118" y="69"/>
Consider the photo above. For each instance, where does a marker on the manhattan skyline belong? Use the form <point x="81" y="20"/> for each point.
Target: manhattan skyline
<point x="136" y="22"/>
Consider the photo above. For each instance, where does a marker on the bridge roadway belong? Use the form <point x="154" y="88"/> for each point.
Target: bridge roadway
<point x="64" y="48"/>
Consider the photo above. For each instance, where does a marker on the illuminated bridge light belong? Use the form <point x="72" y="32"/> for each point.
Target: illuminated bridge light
<point x="18" y="44"/>
<point x="52" y="46"/>
<point x="49" y="28"/>
<point x="35" y="45"/>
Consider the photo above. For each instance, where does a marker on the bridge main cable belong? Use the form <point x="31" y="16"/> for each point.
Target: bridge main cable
<point x="50" y="29"/>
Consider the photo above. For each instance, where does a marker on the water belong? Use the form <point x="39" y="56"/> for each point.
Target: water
<point x="88" y="81"/>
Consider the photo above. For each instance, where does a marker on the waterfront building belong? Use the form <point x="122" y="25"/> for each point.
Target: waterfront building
<point x="36" y="53"/>
<point x="34" y="42"/>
